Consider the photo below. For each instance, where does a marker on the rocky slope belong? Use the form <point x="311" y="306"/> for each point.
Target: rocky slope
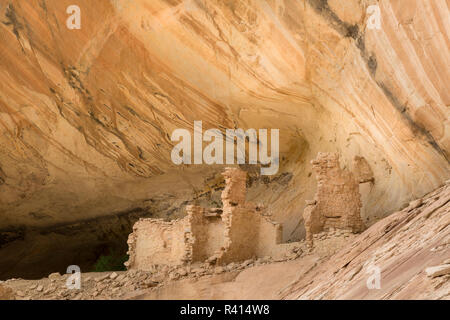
<point x="404" y="246"/>
<point x="86" y="115"/>
<point x="407" y="246"/>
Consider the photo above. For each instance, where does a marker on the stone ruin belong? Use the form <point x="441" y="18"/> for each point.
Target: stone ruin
<point x="239" y="230"/>
<point x="236" y="232"/>
<point x="337" y="201"/>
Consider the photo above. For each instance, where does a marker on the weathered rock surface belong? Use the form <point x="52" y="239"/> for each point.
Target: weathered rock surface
<point x="86" y="115"/>
<point x="438" y="271"/>
<point x="6" y="293"/>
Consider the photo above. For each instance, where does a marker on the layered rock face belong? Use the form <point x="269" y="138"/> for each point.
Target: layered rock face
<point x="86" y="115"/>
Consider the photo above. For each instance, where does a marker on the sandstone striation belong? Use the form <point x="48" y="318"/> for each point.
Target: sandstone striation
<point x="86" y="117"/>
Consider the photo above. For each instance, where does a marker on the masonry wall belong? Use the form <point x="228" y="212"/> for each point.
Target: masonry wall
<point x="241" y="235"/>
<point x="158" y="242"/>
<point x="337" y="201"/>
<point x="207" y="233"/>
<point x="269" y="238"/>
<point x="337" y="196"/>
<point x="238" y="233"/>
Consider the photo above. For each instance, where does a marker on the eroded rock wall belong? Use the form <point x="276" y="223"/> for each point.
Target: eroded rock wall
<point x="86" y="115"/>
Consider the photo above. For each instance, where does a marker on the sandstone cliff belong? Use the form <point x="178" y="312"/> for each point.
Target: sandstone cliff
<point x="86" y="115"/>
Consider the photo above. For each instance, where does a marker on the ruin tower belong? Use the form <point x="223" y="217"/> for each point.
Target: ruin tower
<point x="235" y="187"/>
<point x="337" y="202"/>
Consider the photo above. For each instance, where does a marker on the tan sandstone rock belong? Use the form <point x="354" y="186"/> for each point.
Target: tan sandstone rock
<point x="6" y="293"/>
